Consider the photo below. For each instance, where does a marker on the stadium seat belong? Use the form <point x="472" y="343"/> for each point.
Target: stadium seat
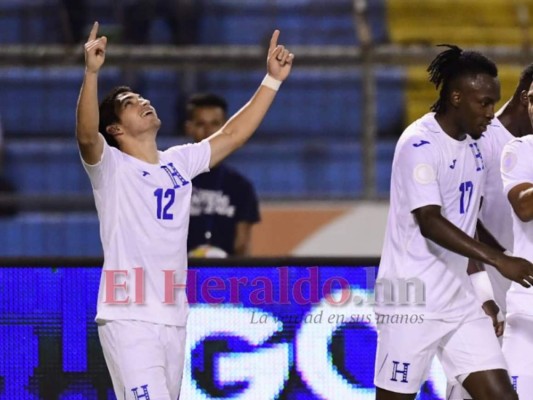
<point x="302" y="22"/>
<point x="318" y="169"/>
<point x="317" y="103"/>
<point x="466" y="22"/>
<point x="50" y="235"/>
<point x="30" y="22"/>
<point x="48" y="167"/>
<point x="42" y="101"/>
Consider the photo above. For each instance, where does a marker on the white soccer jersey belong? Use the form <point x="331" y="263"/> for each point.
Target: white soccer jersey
<point x="517" y="168"/>
<point x="431" y="168"/>
<point x="143" y="210"/>
<point x="496" y="210"/>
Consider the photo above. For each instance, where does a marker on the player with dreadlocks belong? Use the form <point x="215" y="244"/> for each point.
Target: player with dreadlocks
<point x="437" y="182"/>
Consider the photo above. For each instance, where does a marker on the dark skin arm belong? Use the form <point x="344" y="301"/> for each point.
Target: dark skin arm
<point x="490" y="307"/>
<point x="484" y="236"/>
<point x="438" y="229"/>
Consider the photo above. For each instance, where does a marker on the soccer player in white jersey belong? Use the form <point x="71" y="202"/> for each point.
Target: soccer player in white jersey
<point x="143" y="197"/>
<point x="436" y="186"/>
<point x="511" y="121"/>
<point x="517" y="176"/>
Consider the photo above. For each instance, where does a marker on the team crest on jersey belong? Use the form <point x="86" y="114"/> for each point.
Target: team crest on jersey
<point x="177" y="179"/>
<point x="480" y="164"/>
<point x="509" y="161"/>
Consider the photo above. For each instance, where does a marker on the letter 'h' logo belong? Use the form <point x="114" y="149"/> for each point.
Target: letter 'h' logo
<point x="396" y="371"/>
<point x="144" y="396"/>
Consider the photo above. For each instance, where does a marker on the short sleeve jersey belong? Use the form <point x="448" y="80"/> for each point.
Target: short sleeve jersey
<point x="143" y="210"/>
<point x="517" y="168"/>
<point x="431" y="168"/>
<point x="496" y="211"/>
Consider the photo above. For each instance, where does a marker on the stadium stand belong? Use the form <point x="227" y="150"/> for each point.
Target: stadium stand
<point x="466" y="24"/>
<point x="307" y="148"/>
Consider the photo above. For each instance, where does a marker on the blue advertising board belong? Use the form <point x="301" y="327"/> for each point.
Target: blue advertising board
<point x="255" y="332"/>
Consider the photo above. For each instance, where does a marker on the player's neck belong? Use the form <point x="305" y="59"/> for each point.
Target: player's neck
<point x="450" y="127"/>
<point x="142" y="150"/>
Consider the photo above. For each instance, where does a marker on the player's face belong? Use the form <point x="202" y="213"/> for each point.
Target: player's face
<point x="204" y="122"/>
<point x="478" y="98"/>
<point x="136" y="114"/>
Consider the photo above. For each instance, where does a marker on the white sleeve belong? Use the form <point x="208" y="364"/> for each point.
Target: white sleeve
<point x="418" y="168"/>
<point x="195" y="157"/>
<point x="102" y="172"/>
<point x="516" y="164"/>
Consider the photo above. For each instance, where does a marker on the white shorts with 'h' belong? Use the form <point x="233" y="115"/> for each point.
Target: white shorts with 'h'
<point x="145" y="360"/>
<point x="405" y="351"/>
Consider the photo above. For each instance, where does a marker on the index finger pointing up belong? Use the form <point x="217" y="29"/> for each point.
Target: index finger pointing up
<point x="94" y="31"/>
<point x="274" y="40"/>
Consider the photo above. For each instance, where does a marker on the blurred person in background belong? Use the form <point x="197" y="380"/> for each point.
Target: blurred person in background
<point x="224" y="205"/>
<point x="74" y="12"/>
<point x="180" y="16"/>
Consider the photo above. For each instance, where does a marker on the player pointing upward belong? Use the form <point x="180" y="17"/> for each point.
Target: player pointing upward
<point x="143" y="197"/>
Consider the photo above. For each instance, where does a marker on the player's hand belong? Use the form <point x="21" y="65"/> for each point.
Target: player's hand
<point x="279" y="59"/>
<point x="493" y="311"/>
<point x="95" y="50"/>
<point x="516" y="269"/>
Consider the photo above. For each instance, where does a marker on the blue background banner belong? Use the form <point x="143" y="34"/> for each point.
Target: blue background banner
<point x="255" y="332"/>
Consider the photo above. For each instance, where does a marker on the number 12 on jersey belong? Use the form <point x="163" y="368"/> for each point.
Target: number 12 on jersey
<point x="466" y="189"/>
<point x="164" y="202"/>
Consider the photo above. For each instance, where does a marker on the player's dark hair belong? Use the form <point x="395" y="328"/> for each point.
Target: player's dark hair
<point x="526" y="77"/>
<point x="108" y="113"/>
<point x="204" y="100"/>
<point x="453" y="63"/>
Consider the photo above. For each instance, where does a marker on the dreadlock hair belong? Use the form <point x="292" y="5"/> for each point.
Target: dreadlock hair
<point x="204" y="100"/>
<point x="453" y="63"/>
<point x="108" y="115"/>
<point x="526" y="77"/>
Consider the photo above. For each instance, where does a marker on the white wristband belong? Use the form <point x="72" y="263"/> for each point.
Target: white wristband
<point x="271" y="83"/>
<point x="481" y="283"/>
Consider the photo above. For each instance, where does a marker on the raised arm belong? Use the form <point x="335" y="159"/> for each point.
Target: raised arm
<point x="90" y="142"/>
<point x="243" y="124"/>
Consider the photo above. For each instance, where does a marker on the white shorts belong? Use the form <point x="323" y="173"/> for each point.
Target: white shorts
<point x="518" y="351"/>
<point x="405" y="351"/>
<point x="456" y="391"/>
<point x="144" y="359"/>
